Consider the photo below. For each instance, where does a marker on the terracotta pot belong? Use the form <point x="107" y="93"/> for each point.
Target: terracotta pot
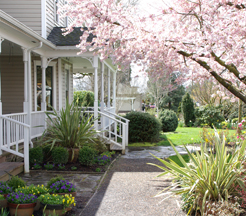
<point x="21" y="209"/>
<point x="74" y="151"/>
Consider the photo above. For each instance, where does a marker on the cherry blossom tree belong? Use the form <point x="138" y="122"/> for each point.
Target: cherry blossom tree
<point x="202" y="38"/>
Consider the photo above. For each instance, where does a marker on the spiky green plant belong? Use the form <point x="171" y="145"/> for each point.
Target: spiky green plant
<point x="70" y="127"/>
<point x="208" y="176"/>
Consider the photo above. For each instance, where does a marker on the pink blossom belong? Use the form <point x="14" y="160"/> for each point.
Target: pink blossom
<point x="240" y="125"/>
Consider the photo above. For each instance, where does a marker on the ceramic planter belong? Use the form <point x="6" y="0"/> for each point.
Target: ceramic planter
<point x="56" y="210"/>
<point x="73" y="152"/>
<point x="21" y="209"/>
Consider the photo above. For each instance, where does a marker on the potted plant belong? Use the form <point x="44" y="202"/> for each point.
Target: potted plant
<point x="35" y="190"/>
<point x="55" y="204"/>
<point x="63" y="187"/>
<point x="21" y="204"/>
<point x="5" y="189"/>
<point x="69" y="128"/>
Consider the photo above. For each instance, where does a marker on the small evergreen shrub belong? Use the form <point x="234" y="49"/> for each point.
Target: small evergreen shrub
<point x="86" y="155"/>
<point x="46" y="152"/>
<point x="208" y="115"/>
<point x="143" y="127"/>
<point x="36" y="155"/>
<point x="16" y="182"/>
<point x="60" y="155"/>
<point x="84" y="98"/>
<point x="169" y="120"/>
<point x="53" y="180"/>
<point x="188" y="110"/>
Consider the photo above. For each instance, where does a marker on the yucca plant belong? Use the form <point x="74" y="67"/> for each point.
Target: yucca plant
<point x="70" y="128"/>
<point x="208" y="177"/>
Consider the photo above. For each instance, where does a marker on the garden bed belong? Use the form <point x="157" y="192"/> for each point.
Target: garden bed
<point x="81" y="168"/>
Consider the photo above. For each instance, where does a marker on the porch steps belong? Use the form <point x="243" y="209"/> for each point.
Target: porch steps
<point x="11" y="168"/>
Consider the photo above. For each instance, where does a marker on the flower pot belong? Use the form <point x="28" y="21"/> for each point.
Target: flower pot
<point x="21" y="209"/>
<point x="73" y="154"/>
<point x="53" y="209"/>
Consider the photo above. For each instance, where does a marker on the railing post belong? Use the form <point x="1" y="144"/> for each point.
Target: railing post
<point x="1" y="129"/>
<point x="127" y="132"/>
<point x="95" y="65"/>
<point x="26" y="149"/>
<point x="123" y="138"/>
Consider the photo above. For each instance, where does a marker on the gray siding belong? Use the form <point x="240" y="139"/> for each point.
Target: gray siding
<point x="12" y="84"/>
<point x="26" y="11"/>
<point x="50" y="16"/>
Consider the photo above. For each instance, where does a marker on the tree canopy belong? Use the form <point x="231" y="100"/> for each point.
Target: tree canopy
<point x="205" y="37"/>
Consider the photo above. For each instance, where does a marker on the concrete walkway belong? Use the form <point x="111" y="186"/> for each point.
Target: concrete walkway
<point x="130" y="186"/>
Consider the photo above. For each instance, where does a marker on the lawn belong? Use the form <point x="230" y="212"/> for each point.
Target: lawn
<point x="182" y="135"/>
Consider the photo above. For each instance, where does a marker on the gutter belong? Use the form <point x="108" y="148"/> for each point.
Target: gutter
<point x="7" y="19"/>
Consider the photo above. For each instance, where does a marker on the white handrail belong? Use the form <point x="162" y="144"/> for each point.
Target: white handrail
<point x="127" y="120"/>
<point x="14" y="121"/>
<point x="14" y="114"/>
<point x="110" y="117"/>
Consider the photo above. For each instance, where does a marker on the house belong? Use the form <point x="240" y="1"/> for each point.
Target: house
<point x="128" y="98"/>
<point x="36" y="73"/>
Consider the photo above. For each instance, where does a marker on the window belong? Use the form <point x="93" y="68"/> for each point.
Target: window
<point x="49" y="88"/>
<point x="56" y="9"/>
<point x="67" y="83"/>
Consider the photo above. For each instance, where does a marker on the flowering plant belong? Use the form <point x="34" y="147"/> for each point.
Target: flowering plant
<point x="62" y="186"/>
<point x="55" y="199"/>
<point x="21" y="198"/>
<point x="35" y="190"/>
<point x="49" y="166"/>
<point x="4" y="188"/>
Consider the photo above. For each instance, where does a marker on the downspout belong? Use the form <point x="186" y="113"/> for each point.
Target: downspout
<point x="29" y="85"/>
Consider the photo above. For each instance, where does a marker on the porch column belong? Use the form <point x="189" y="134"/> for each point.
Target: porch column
<point x="1" y="112"/>
<point x="95" y="65"/>
<point x="43" y="66"/>
<point x="114" y="91"/>
<point x="102" y="88"/>
<point x="25" y="103"/>
<point x="1" y="40"/>
<point x="108" y="88"/>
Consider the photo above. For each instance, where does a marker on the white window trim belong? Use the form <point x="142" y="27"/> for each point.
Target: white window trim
<point x="52" y="64"/>
<point x="56" y="16"/>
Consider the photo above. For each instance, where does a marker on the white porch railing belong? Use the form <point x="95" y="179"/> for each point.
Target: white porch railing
<point x="13" y="132"/>
<point x="38" y="123"/>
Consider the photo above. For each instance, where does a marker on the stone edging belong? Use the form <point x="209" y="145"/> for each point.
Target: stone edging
<point x="98" y="186"/>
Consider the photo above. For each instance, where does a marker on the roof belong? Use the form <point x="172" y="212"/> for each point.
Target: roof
<point x="56" y="36"/>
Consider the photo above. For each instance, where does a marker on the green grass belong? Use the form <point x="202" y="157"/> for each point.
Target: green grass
<point x="182" y="135"/>
<point x="177" y="161"/>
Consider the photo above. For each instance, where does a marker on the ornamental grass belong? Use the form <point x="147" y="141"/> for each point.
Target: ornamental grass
<point x="207" y="177"/>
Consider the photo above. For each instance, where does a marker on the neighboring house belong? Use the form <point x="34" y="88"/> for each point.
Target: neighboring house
<point x="128" y="99"/>
<point x="36" y="72"/>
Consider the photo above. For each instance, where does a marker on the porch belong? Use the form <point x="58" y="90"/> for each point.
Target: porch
<point x="37" y="82"/>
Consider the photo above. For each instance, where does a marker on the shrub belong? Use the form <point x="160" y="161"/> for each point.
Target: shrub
<point x="53" y="180"/>
<point x="208" y="176"/>
<point x="209" y="115"/>
<point x="36" y="155"/>
<point x="69" y="128"/>
<point x="143" y="127"/>
<point x="86" y="155"/>
<point x="16" y="182"/>
<point x="169" y="120"/>
<point x="188" y="110"/>
<point x="84" y="98"/>
<point x="60" y="155"/>
<point x="46" y="152"/>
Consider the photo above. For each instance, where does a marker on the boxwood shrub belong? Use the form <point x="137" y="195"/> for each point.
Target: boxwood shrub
<point x="87" y="155"/>
<point x="36" y="155"/>
<point x="59" y="155"/>
<point x="169" y="120"/>
<point x="143" y="127"/>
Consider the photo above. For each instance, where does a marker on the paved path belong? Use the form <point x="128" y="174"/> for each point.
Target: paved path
<point x="129" y="188"/>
